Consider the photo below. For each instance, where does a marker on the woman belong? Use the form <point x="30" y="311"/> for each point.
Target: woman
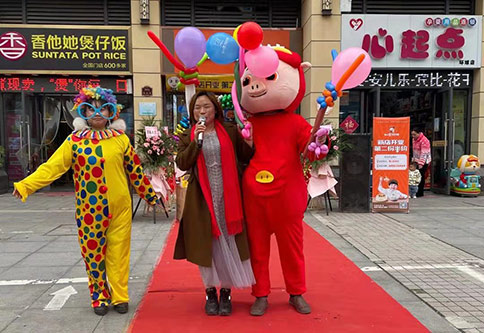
<point x="421" y="155"/>
<point x="101" y="157"/>
<point x="212" y="229"/>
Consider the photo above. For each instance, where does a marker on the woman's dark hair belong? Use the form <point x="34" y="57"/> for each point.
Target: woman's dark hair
<point x="415" y="164"/>
<point x="393" y="181"/>
<point x="219" y="114"/>
<point x="416" y="130"/>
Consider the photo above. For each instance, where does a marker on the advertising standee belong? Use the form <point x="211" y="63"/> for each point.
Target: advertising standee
<point x="391" y="137"/>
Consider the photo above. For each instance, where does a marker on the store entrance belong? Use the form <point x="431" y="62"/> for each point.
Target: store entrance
<point x="36" y="125"/>
<point x="442" y="116"/>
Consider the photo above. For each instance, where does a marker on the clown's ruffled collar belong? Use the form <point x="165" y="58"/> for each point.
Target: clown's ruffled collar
<point x="82" y="129"/>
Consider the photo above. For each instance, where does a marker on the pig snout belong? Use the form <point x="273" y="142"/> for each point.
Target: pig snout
<point x="257" y="88"/>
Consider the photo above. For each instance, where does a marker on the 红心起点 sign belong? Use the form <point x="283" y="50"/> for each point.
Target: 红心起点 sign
<point x="415" y="41"/>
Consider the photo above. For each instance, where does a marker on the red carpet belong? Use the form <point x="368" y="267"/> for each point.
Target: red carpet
<point x="343" y="298"/>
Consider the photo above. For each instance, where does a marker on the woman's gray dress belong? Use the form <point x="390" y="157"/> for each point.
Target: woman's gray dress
<point x="227" y="269"/>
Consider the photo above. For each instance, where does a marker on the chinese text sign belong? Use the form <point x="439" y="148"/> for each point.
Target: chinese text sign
<point x="415" y="41"/>
<point x="391" y="138"/>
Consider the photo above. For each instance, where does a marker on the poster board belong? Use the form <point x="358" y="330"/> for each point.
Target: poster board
<point x="391" y="144"/>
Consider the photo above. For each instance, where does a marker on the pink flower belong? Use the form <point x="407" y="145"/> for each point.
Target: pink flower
<point x="146" y="144"/>
<point x="335" y="147"/>
<point x="333" y="138"/>
<point x="150" y="152"/>
<point x="156" y="148"/>
<point x="156" y="138"/>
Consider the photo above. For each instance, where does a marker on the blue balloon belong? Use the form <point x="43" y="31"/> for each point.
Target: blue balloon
<point x="222" y="48"/>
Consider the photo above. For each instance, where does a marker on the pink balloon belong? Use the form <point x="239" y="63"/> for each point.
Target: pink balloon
<point x="262" y="61"/>
<point x="344" y="60"/>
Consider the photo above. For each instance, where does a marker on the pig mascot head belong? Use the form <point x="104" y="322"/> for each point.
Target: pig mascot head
<point x="283" y="90"/>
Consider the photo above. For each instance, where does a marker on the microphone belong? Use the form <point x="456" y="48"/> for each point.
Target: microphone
<point x="200" y="135"/>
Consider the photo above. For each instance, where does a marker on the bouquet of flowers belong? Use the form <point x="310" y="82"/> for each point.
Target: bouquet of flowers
<point x="339" y="144"/>
<point x="156" y="152"/>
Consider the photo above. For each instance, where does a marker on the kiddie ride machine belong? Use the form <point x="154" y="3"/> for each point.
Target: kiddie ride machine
<point x="464" y="180"/>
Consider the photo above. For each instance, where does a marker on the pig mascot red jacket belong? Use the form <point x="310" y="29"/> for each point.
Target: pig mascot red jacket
<point x="275" y="194"/>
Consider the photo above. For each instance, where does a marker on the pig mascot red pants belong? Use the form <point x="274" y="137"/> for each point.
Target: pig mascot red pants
<point x="274" y="189"/>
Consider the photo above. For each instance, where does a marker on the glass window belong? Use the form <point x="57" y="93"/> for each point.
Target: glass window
<point x="12" y="108"/>
<point x="350" y="105"/>
<point x="127" y="114"/>
<point x="459" y="107"/>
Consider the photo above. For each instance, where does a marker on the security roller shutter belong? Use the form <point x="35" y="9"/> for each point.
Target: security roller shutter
<point x="66" y="12"/>
<point x="231" y="13"/>
<point x="415" y="7"/>
<point x="11" y="11"/>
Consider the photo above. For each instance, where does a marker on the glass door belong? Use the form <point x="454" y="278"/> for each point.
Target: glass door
<point x="442" y="141"/>
<point x="28" y="154"/>
<point x="373" y="107"/>
<point x="14" y="131"/>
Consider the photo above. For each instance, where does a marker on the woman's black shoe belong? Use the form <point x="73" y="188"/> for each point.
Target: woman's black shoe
<point x="121" y="308"/>
<point x="211" y="304"/>
<point x="101" y="310"/>
<point x="225" y="308"/>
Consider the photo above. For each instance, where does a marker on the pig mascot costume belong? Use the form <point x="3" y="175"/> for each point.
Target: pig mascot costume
<point x="275" y="194"/>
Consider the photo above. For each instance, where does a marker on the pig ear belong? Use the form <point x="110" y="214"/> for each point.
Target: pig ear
<point x="306" y="65"/>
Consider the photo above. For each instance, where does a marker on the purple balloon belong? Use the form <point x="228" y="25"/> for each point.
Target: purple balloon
<point x="190" y="46"/>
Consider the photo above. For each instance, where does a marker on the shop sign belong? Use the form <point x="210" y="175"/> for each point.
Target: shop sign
<point x="61" y="84"/>
<point x="391" y="142"/>
<point x="213" y="83"/>
<point x="90" y="50"/>
<point x="409" y="41"/>
<point x="420" y="79"/>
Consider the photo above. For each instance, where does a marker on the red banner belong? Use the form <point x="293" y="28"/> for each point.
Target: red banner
<point x="391" y="144"/>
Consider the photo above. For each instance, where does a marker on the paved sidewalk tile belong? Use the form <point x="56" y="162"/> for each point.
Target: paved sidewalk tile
<point x="443" y="276"/>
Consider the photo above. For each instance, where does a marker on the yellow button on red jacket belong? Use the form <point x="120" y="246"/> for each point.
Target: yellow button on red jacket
<point x="264" y="177"/>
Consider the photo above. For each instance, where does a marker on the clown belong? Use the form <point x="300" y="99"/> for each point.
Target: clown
<point x="274" y="189"/>
<point x="101" y="157"/>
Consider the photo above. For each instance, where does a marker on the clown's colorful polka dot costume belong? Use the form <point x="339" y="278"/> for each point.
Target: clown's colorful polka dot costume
<point x="101" y="161"/>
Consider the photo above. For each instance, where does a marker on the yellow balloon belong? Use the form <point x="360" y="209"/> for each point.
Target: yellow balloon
<point x="235" y="33"/>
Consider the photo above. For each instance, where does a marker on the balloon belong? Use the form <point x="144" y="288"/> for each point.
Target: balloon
<point x="262" y="62"/>
<point x="165" y="50"/>
<point x="241" y="61"/>
<point x="343" y="62"/>
<point x="236" y="32"/>
<point x="190" y="46"/>
<point x="239" y="115"/>
<point x="222" y="49"/>
<point x="250" y="35"/>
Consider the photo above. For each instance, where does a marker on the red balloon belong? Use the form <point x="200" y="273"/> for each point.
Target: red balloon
<point x="250" y="35"/>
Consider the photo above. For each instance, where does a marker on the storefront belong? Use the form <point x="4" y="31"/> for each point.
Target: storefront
<point x="424" y="69"/>
<point x="43" y="68"/>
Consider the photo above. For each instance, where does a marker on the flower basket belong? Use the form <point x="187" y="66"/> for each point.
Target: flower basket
<point x="156" y="151"/>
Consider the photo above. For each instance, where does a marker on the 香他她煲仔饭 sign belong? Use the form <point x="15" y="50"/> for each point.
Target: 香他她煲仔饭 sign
<point x="48" y="49"/>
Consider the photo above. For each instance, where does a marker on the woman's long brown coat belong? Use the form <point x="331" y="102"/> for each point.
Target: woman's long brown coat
<point x="194" y="241"/>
